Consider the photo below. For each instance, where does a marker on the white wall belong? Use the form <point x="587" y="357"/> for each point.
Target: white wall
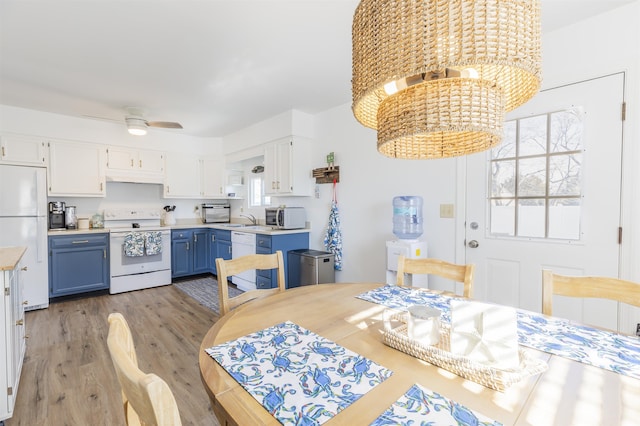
<point x="56" y="126"/>
<point x="368" y="183"/>
<point x="605" y="44"/>
<point x="602" y="45"/>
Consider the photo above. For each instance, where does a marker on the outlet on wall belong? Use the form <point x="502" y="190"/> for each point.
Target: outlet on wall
<point x="446" y="210"/>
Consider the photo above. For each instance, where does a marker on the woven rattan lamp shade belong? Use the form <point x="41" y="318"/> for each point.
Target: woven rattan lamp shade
<point x="459" y="65"/>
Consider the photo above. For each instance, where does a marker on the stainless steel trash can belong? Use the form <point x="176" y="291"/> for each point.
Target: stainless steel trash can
<point x="307" y="267"/>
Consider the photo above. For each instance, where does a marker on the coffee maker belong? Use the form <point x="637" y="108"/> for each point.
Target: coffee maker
<point x="56" y="215"/>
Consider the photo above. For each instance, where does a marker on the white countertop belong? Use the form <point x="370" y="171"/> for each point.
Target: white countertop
<point x="187" y="224"/>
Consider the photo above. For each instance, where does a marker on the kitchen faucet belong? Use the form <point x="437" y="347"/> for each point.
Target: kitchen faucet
<point x="251" y="217"/>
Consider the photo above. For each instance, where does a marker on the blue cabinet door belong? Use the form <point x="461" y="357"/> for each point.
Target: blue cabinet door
<point x="266" y="244"/>
<point x="220" y="247"/>
<point x="181" y="258"/>
<point x="201" y="249"/>
<point x="224" y="249"/>
<point x="213" y="251"/>
<point x="78" y="264"/>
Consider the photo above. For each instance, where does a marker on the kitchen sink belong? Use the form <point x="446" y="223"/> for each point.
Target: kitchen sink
<point x="247" y="227"/>
<point x="259" y="227"/>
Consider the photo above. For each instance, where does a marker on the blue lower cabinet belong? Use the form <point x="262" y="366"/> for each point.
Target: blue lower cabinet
<point x="181" y="257"/>
<point x="220" y="247"/>
<point x="201" y="251"/>
<point x="267" y="244"/>
<point x="78" y="263"/>
<point x="190" y="252"/>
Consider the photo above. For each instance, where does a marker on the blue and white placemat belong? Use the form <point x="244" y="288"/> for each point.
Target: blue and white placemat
<point x="298" y="376"/>
<point x="421" y="406"/>
<point x="600" y="348"/>
<point x="396" y="297"/>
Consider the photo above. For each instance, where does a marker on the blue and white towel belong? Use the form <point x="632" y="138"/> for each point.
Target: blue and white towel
<point x="152" y="243"/>
<point x="134" y="244"/>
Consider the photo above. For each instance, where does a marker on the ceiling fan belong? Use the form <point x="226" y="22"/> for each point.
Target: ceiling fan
<point x="137" y="124"/>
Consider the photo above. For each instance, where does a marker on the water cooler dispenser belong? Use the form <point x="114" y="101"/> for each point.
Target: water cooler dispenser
<point x="407" y="227"/>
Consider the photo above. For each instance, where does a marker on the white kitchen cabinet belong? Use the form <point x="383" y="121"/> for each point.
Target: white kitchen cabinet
<point x="190" y="176"/>
<point x="22" y="150"/>
<point x="129" y="165"/>
<point x="213" y="178"/>
<point x="287" y="167"/>
<point x="182" y="176"/>
<point x="76" y="169"/>
<point x="12" y="328"/>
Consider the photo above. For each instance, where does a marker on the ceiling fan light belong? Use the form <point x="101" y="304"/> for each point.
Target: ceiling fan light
<point x="136" y="126"/>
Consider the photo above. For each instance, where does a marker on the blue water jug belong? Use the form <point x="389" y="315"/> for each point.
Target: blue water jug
<point x="407" y="217"/>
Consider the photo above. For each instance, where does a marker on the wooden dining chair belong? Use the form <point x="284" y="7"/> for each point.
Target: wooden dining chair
<point x="228" y="268"/>
<point x="146" y="398"/>
<point x="451" y="271"/>
<point x="588" y="287"/>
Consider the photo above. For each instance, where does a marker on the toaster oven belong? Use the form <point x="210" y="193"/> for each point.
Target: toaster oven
<point x="215" y="213"/>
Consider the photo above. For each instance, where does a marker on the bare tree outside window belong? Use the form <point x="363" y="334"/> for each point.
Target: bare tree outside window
<point x="536" y="177"/>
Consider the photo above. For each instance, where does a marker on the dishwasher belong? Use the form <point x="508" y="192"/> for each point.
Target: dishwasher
<point x="242" y="244"/>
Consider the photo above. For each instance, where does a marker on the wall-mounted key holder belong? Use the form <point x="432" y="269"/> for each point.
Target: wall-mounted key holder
<point x="327" y="174"/>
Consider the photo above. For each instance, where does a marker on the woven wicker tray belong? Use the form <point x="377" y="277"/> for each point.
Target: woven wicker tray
<point x="440" y="356"/>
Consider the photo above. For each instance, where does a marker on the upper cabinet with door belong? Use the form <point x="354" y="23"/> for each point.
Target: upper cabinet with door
<point x="287" y="167"/>
<point x="22" y="150"/>
<point x="76" y="169"/>
<point x="128" y="165"/>
<point x="182" y="176"/>
<point x="213" y="178"/>
<point x="190" y="176"/>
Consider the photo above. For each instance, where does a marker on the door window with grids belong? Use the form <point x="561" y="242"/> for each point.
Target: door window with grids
<point x="536" y="177"/>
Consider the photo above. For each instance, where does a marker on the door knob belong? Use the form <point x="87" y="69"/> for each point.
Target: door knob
<point x="473" y="244"/>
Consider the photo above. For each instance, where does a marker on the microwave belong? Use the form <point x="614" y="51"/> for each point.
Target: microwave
<point x="286" y="217"/>
<point x="215" y="213"/>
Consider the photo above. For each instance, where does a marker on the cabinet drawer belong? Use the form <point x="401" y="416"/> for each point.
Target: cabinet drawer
<point x="263" y="241"/>
<point x="263" y="273"/>
<point x="263" y="282"/>
<point x="180" y="235"/>
<point x="77" y="240"/>
<point x="222" y="235"/>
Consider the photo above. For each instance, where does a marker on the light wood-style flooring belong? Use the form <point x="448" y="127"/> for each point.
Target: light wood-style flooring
<point x="68" y="377"/>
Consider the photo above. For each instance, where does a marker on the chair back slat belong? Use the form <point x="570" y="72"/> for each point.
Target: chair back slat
<point x="146" y="398"/>
<point x="587" y="287"/>
<point x="459" y="273"/>
<point x="228" y="268"/>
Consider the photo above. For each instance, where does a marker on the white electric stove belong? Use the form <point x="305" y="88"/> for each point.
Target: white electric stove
<point x="134" y="272"/>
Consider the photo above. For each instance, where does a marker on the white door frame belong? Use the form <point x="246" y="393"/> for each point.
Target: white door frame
<point x="626" y="265"/>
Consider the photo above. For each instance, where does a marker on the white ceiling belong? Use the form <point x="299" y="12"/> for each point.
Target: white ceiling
<point x="215" y="66"/>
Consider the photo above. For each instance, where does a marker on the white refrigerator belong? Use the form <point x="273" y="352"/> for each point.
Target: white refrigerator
<point x="23" y="222"/>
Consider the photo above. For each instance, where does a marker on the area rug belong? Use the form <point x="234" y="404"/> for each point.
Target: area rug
<point x="205" y="291"/>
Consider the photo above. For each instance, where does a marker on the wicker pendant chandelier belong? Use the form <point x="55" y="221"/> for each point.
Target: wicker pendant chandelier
<point x="435" y="77"/>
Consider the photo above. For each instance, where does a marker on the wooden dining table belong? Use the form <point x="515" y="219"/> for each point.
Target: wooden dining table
<point x="568" y="393"/>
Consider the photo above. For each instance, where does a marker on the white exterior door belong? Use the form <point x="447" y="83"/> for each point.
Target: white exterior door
<point x="512" y="240"/>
